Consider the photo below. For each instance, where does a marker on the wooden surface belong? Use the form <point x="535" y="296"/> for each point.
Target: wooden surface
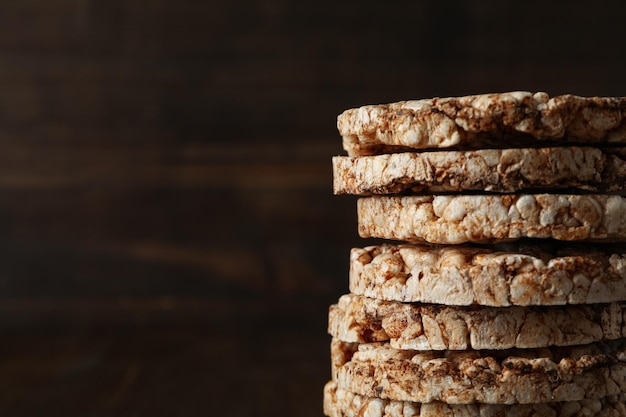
<point x="169" y="241"/>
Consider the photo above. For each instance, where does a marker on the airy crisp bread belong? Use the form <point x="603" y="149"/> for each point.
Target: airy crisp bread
<point x="505" y="275"/>
<point x="341" y="403"/>
<point x="495" y="170"/>
<point x="518" y="376"/>
<point x="428" y="327"/>
<point x="484" y="120"/>
<point x="448" y="219"/>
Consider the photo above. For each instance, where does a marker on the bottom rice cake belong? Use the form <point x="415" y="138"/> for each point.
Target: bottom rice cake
<point x="342" y="403"/>
<point x="516" y="376"/>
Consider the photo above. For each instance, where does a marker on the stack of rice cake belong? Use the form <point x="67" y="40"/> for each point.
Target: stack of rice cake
<point x="501" y="287"/>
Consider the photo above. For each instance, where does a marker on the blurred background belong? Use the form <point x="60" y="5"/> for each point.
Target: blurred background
<point x="169" y="241"/>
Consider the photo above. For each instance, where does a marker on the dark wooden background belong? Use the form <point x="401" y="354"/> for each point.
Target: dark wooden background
<point x="169" y="241"/>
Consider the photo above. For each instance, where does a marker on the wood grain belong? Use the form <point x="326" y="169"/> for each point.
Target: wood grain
<point x="162" y="370"/>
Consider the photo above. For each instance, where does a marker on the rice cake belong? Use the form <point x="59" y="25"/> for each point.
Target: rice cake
<point x="500" y="276"/>
<point x="482" y="120"/>
<point x="341" y="403"/>
<point x="361" y="319"/>
<point x="494" y="170"/>
<point x="448" y="219"/>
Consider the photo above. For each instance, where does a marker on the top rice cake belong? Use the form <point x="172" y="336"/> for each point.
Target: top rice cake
<point x="508" y="119"/>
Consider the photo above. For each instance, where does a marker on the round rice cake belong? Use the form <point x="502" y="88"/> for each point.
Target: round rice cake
<point x="482" y="120"/>
<point x="504" y="275"/>
<point x="342" y="403"/>
<point x="493" y="170"/>
<point x="515" y="376"/>
<point x="455" y="219"/>
<point x="355" y="318"/>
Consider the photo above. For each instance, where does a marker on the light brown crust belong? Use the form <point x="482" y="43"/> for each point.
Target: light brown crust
<point x="482" y="120"/>
<point x="522" y="376"/>
<point x="508" y="275"/>
<point x="491" y="218"/>
<point x="494" y="170"/>
<point x="341" y="403"/>
<point x="430" y="327"/>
